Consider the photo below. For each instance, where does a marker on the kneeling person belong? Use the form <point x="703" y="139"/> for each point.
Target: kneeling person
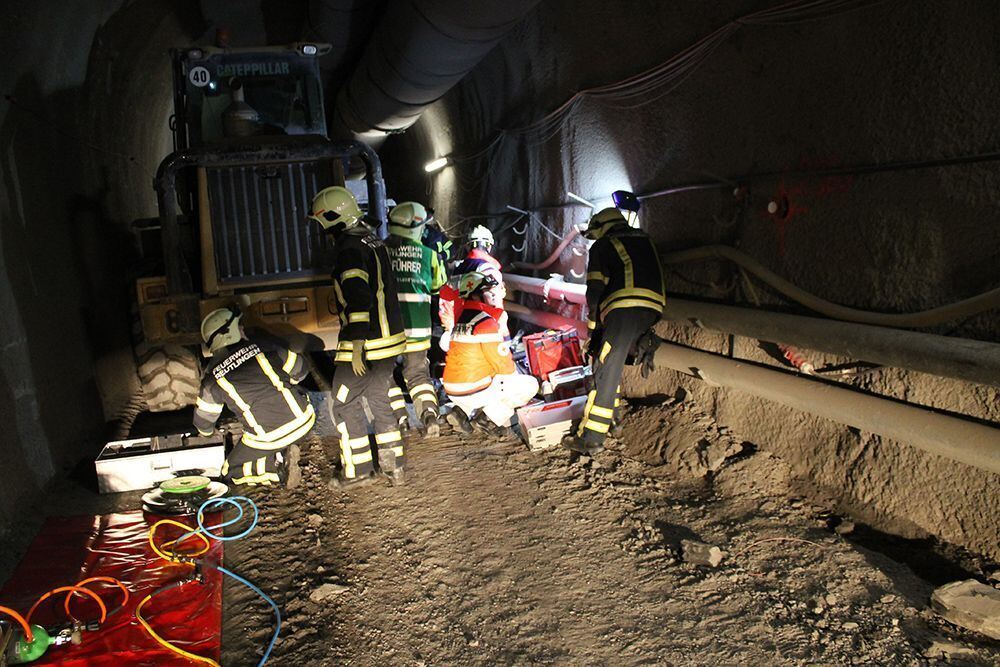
<point x="479" y="372"/>
<point x="255" y="380"/>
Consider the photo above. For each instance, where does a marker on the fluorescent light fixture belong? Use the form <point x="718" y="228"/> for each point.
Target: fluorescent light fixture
<point x="580" y="199"/>
<point x="436" y="165"/>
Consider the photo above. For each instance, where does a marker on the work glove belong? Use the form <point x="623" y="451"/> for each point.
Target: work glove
<point x="594" y="345"/>
<point x="358" y="357"/>
<point x="645" y="352"/>
<point x="445" y="342"/>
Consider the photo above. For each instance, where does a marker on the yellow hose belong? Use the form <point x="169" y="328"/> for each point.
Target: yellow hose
<point x="163" y="642"/>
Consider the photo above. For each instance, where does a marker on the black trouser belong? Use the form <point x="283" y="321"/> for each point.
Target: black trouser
<point x="349" y="416"/>
<point x="418" y="383"/>
<point x="622" y="328"/>
<point x="247" y="465"/>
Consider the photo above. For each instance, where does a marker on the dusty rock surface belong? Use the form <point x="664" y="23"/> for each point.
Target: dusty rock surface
<point x="495" y="555"/>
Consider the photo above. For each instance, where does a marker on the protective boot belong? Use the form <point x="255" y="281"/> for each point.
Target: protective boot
<point x="457" y="419"/>
<point x="575" y="443"/>
<point x="483" y="424"/>
<point x="289" y="471"/>
<point x="404" y="423"/>
<point x="432" y="429"/>
<point x="387" y="465"/>
<point x="349" y="483"/>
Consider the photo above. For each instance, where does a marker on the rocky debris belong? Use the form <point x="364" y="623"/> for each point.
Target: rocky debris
<point x="943" y="650"/>
<point x="327" y="591"/>
<point x="682" y="435"/>
<point x="969" y="604"/>
<point x="844" y="528"/>
<point x="699" y="553"/>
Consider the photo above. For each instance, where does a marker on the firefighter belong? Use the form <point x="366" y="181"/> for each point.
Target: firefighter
<point x="479" y="374"/>
<point x="438" y="241"/>
<point x="371" y="337"/>
<point x="255" y="379"/>
<point x="419" y="275"/>
<point x="479" y="260"/>
<point x="625" y="298"/>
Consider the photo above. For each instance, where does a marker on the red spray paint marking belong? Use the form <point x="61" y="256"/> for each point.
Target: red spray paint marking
<point x="792" y="195"/>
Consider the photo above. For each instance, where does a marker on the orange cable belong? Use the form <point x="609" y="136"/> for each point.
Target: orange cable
<point x="64" y="589"/>
<point x="110" y="580"/>
<point x="28" y="634"/>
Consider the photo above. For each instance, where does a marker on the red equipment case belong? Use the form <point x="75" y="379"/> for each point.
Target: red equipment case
<point x="552" y="350"/>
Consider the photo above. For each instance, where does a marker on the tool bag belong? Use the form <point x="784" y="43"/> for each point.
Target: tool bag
<point x="552" y="350"/>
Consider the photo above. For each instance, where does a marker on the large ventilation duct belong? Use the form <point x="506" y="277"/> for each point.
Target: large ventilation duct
<point x="419" y="50"/>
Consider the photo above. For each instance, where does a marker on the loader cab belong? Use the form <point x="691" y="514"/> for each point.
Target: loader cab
<point x="225" y="95"/>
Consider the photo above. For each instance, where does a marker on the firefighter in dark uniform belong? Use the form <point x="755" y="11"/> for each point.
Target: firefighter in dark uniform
<point x="625" y="298"/>
<point x="256" y="380"/>
<point x="371" y="337"/>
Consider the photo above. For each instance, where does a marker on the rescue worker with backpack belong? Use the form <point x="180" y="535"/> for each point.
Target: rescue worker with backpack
<point x="371" y="337"/>
<point x="254" y="378"/>
<point x="479" y="373"/>
<point x="419" y="275"/>
<point x="625" y="298"/>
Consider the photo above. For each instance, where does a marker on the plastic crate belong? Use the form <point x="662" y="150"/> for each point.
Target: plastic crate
<point x="545" y="424"/>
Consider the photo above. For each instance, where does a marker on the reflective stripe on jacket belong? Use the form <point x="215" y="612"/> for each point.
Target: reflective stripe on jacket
<point x="367" y="299"/>
<point x="418" y="273"/>
<point x="255" y="380"/>
<point x="478" y="351"/>
<point x="623" y="271"/>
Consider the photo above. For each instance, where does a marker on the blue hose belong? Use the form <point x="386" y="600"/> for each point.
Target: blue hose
<point x="203" y="529"/>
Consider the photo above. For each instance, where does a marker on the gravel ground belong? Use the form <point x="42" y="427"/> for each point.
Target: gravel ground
<point x="492" y="554"/>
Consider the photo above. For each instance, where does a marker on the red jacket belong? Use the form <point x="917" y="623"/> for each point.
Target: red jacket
<point x="450" y="302"/>
<point x="478" y="351"/>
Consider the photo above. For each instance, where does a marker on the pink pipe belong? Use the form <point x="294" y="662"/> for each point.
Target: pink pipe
<point x="551" y="258"/>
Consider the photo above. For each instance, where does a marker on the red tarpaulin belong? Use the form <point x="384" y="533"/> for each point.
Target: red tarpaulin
<point x="69" y="549"/>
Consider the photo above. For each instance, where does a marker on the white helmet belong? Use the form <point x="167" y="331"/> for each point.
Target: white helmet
<point x="472" y="283"/>
<point x="336" y="209"/>
<point x="481" y="237"/>
<point x="220" y="328"/>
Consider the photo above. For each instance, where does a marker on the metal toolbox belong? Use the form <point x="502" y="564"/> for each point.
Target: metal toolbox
<point x="140" y="463"/>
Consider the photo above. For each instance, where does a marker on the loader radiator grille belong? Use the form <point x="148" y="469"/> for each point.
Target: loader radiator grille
<point x="259" y="221"/>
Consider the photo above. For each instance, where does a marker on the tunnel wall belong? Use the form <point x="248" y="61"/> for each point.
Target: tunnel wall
<point x="896" y="81"/>
<point x="83" y="124"/>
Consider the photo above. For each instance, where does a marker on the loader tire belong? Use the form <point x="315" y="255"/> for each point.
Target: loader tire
<point x="170" y="376"/>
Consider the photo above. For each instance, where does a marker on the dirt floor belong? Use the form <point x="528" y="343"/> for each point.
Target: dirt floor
<point x="492" y="554"/>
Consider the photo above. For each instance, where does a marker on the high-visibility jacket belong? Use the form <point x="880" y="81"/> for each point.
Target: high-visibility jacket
<point x="255" y="379"/>
<point x="439" y="242"/>
<point x="419" y="276"/>
<point x="477" y="260"/>
<point x="368" y="302"/>
<point x="478" y="351"/>
<point x="623" y="271"/>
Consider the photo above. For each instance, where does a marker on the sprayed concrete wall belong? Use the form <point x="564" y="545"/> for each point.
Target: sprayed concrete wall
<point x="896" y="81"/>
<point x="83" y="124"/>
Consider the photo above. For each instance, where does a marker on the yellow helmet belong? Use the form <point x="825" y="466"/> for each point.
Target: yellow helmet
<point x="336" y="209"/>
<point x="220" y="328"/>
<point x="602" y="222"/>
<point x="407" y="219"/>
